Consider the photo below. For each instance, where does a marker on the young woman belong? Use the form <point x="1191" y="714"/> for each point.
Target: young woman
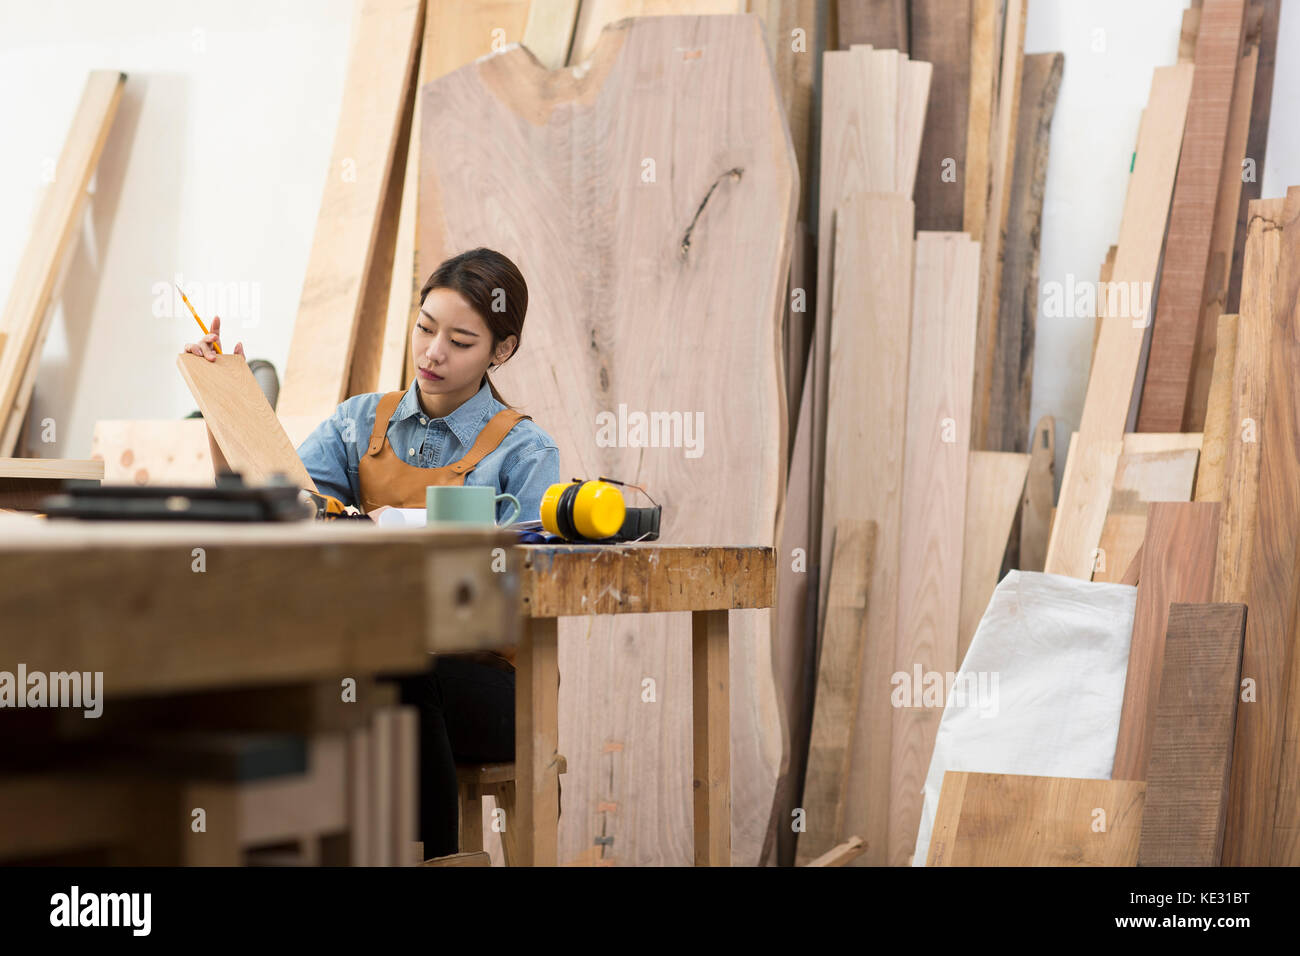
<point x="451" y="427"/>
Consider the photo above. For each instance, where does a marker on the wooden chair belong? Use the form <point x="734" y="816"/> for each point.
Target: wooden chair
<point x="475" y="781"/>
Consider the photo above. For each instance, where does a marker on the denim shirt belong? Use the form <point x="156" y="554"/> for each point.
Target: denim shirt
<point x="525" y="463"/>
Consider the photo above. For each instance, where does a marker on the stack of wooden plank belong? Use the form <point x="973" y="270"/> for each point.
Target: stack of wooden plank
<point x="1205" y="751"/>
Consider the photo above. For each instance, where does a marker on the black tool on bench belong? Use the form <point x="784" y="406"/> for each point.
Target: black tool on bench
<point x="230" y="500"/>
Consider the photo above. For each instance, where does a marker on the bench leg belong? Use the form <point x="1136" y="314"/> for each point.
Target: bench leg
<point x="712" y="716"/>
<point x="537" y="735"/>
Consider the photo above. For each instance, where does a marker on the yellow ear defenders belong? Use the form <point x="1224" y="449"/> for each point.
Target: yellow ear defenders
<point x="595" y="511"/>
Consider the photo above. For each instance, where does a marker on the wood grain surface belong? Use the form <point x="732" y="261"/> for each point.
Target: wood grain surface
<point x="1191" y="736"/>
<point x="1177" y="566"/>
<point x="936" y="458"/>
<point x="551" y="170"/>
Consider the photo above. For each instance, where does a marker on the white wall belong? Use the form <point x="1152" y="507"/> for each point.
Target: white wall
<point x="1094" y="132"/>
<point x="213" y="170"/>
<point x="216" y="163"/>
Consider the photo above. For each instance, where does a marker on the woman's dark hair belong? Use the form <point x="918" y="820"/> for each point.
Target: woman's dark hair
<point x="494" y="288"/>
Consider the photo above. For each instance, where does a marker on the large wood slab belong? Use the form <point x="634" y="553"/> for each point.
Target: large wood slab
<point x="1177" y="566"/>
<point x="936" y="457"/>
<point x="1191" y="736"/>
<point x="550" y="169"/>
<point x="380" y="70"/>
<point x="870" y="339"/>
<point x="839" y="684"/>
<point x="1089" y="472"/>
<point x="1271" y="591"/>
<point x="992" y="819"/>
<point x="1165" y="391"/>
<point x="57" y="221"/>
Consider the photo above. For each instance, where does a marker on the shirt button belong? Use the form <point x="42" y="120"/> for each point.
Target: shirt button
<point x="410" y="451"/>
<point x="424" y="421"/>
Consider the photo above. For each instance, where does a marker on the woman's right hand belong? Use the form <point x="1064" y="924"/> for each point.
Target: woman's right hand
<point x="206" y="346"/>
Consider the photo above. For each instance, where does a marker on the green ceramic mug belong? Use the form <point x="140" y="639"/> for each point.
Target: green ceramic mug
<point x="466" y="504"/>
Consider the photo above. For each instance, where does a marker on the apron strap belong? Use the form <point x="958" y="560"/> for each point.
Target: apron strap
<point x="488" y="439"/>
<point x="384" y="412"/>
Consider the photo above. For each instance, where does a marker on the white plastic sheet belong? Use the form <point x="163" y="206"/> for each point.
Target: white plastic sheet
<point x="1047" y="667"/>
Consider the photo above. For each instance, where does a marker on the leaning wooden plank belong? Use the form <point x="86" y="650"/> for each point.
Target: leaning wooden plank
<point x="1177" y="566"/>
<point x="880" y="23"/>
<point x="1191" y="737"/>
<point x="241" y="420"/>
<point x="871" y="333"/>
<point x="548" y="34"/>
<point x="595" y="15"/>
<point x="85" y="470"/>
<point x="1271" y="592"/>
<point x="1187" y="35"/>
<point x="945" y="298"/>
<point x="1250" y="384"/>
<point x="1085" y="488"/>
<point x="722" y="232"/>
<point x="979" y="123"/>
<point x="1221" y="239"/>
<point x="951" y="794"/>
<point x="1141" y="477"/>
<point x="1104" y="274"/>
<point x="317" y="373"/>
<point x="1218" y="415"/>
<point x="839" y="681"/>
<point x="1014" y="820"/>
<point x="1040" y="492"/>
<point x="1011" y="381"/>
<point x="993" y="246"/>
<point x="913" y="95"/>
<point x="859" y="118"/>
<point x="57" y="221"/>
<point x="794" y="638"/>
<point x="1165" y="390"/>
<point x="993" y="484"/>
<point x="1261" y="31"/>
<point x="454" y="34"/>
<point x="841" y="855"/>
<point x="941" y="35"/>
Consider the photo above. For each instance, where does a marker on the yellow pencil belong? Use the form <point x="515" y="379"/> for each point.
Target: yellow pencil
<point x="216" y="345"/>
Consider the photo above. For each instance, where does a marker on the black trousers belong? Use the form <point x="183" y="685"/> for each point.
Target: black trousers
<point x="467" y="715"/>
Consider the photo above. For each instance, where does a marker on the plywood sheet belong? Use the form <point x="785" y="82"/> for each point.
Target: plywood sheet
<point x="549" y="170"/>
<point x="57" y="221"/>
<point x="994" y="482"/>
<point x="1011" y="820"/>
<point x="870" y="339"/>
<point x="380" y="69"/>
<point x="1177" y="566"/>
<point x="839" y="682"/>
<point x="1165" y="390"/>
<point x="1089" y="472"/>
<point x="936" y="458"/>
<point x="242" y="422"/>
<point x="1191" y="736"/>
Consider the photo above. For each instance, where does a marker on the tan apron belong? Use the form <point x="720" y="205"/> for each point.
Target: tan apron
<point x="387" y="480"/>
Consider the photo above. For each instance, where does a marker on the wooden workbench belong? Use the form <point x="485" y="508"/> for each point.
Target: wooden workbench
<point x="562" y="580"/>
<point x="214" y="627"/>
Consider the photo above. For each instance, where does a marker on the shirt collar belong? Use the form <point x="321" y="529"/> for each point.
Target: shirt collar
<point x="465" y="422"/>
